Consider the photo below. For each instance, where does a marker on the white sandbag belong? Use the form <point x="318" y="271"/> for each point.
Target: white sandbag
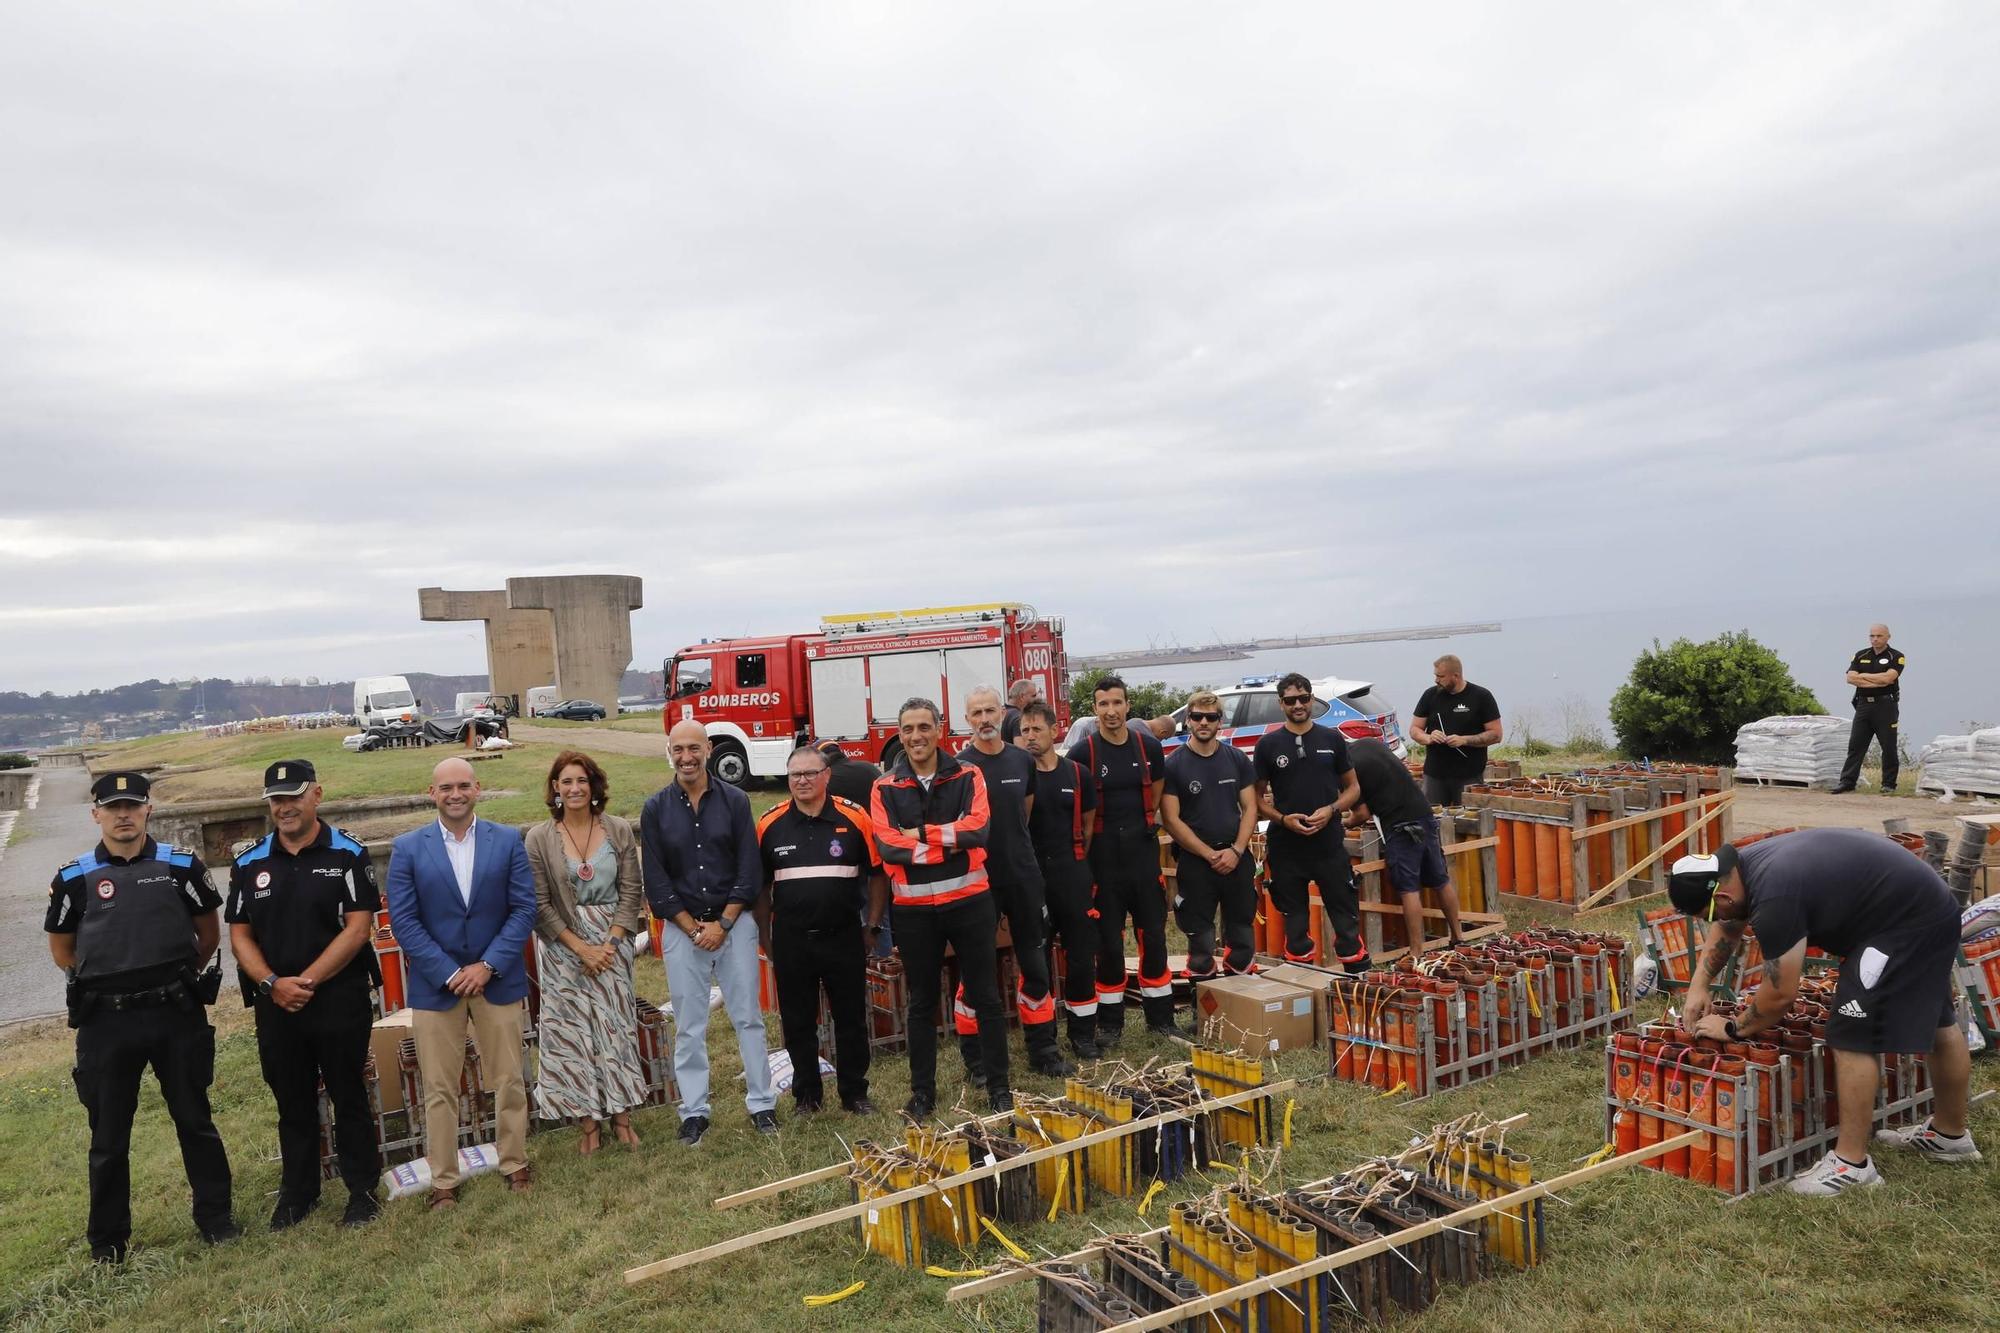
<point x="781" y="1070"/>
<point x="415" y="1177"/>
<point x="1792" y="749"/>
<point x="1969" y="763"/>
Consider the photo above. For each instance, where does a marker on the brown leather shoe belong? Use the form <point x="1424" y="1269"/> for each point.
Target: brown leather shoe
<point x="443" y="1199"/>
<point x="521" y="1181"/>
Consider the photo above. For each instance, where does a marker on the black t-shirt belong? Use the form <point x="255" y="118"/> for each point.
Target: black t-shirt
<point x="1387" y="788"/>
<point x="1060" y="793"/>
<point x="1871" y="661"/>
<point x="1210" y="789"/>
<point x="1010" y="781"/>
<point x="1121" y="773"/>
<point x="70" y="895"/>
<point x="1303" y="771"/>
<point x="1010" y="724"/>
<point x="853" y="780"/>
<point x="295" y="905"/>
<point x="819" y="865"/>
<point x="1463" y="714"/>
<point x="1838" y="888"/>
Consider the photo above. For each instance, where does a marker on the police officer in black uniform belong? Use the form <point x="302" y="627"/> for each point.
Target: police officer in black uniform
<point x="1876" y="673"/>
<point x="131" y="921"/>
<point x="302" y="906"/>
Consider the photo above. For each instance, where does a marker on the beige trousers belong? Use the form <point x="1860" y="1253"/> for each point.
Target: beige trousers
<point x="440" y="1036"/>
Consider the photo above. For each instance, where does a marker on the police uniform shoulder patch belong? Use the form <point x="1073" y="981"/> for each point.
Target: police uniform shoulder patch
<point x="343" y="841"/>
<point x="257" y="851"/>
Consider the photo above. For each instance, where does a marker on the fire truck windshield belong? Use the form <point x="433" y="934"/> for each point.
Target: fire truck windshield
<point x="689" y="675"/>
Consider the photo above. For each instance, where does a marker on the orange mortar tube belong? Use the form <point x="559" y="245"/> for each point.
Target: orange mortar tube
<point x="1674" y="1090"/>
<point x="1724" y="1117"/>
<point x="1548" y="865"/>
<point x="1624" y="1085"/>
<point x="1700" y="1067"/>
<point x="1647" y="1093"/>
<point x="1524" y="858"/>
<point x="1503" y="829"/>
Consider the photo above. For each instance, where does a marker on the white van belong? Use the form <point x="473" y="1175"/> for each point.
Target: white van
<point x="380" y="700"/>
<point x="540" y="697"/>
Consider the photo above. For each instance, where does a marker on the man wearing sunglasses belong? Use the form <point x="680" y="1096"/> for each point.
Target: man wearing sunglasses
<point x="1305" y="782"/>
<point x="1894" y="925"/>
<point x="1210" y="810"/>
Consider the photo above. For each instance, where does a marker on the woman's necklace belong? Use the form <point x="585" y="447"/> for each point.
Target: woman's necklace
<point x="584" y="869"/>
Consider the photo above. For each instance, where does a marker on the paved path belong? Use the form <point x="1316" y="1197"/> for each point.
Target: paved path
<point x="56" y="828"/>
<point x="650" y="743"/>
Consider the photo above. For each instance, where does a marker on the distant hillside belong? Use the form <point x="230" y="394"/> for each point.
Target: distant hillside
<point x="29" y="721"/>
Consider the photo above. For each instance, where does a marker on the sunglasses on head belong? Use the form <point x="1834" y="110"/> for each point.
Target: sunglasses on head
<point x="1203" y="717"/>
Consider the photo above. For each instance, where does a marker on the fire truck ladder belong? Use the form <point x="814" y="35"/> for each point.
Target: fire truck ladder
<point x="927" y="617"/>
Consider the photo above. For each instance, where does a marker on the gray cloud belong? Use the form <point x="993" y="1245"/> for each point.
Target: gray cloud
<point x="1296" y="321"/>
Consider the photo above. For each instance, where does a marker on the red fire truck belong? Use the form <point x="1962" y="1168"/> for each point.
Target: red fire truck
<point x="760" y="697"/>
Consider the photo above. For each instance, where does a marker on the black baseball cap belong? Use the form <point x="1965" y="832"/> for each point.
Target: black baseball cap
<point x="1692" y="883"/>
<point x="831" y="751"/>
<point x="125" y="785"/>
<point x="289" y="777"/>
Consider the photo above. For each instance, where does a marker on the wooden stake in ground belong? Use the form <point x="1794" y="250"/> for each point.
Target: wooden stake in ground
<point x="659" y="1267"/>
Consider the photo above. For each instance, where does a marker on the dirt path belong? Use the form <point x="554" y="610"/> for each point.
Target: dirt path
<point x="593" y="738"/>
<point x="1761" y="808"/>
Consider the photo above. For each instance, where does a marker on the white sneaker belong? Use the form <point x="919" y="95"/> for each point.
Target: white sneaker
<point x="1831" y="1176"/>
<point x="1931" y="1144"/>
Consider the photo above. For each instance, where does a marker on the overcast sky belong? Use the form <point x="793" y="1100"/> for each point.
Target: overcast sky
<point x="1172" y="319"/>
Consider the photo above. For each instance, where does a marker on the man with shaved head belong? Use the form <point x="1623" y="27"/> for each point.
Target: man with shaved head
<point x="698" y="843"/>
<point x="462" y="904"/>
<point x="1876" y="673"/>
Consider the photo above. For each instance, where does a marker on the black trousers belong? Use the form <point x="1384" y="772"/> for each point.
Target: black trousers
<point x="969" y="926"/>
<point x="1066" y="882"/>
<point x="1298" y="862"/>
<point x="1021" y="899"/>
<point x="325" y="1042"/>
<point x="1202" y="891"/>
<point x="1874" y="720"/>
<point x="112" y="1052"/>
<point x="1125" y="860"/>
<point x="805" y="962"/>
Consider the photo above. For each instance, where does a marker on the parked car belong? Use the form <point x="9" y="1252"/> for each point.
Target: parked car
<point x="574" y="710"/>
<point x="1251" y="708"/>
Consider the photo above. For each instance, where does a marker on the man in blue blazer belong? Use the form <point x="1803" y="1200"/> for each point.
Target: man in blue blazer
<point x="462" y="904"/>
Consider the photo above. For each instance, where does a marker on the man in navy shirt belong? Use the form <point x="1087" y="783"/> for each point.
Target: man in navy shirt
<point x="1412" y="847"/>
<point x="1305" y="781"/>
<point x="1128" y="766"/>
<point x="1060" y="823"/>
<point x="703" y="872"/>
<point x="1210" y="811"/>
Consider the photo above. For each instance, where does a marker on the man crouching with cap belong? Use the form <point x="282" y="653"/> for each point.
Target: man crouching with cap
<point x="1894" y="925"/>
<point x="131" y="921"/>
<point x="302" y="904"/>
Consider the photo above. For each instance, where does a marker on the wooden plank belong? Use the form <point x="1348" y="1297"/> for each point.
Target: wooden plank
<point x="1396" y="1239"/>
<point x="1653" y="816"/>
<point x="1396" y="909"/>
<point x="1489" y="859"/>
<point x="1621" y="851"/>
<point x="1724" y="800"/>
<point x="659" y="1267"/>
<point x="1579" y="852"/>
<point x="838" y="1169"/>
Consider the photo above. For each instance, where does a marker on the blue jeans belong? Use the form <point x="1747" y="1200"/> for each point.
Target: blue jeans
<point x="690" y="972"/>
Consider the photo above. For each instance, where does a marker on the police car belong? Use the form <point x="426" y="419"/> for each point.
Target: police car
<point x="1251" y="708"/>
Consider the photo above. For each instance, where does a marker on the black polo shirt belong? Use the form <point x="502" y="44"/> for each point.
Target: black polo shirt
<point x="1010" y="781"/>
<point x="818" y="865"/>
<point x="296" y="904"/>
<point x="1210" y="788"/>
<point x="74" y="889"/>
<point x="1065" y="801"/>
<point x="1889" y="659"/>
<point x="852" y="779"/>
<point x="1387" y="788"/>
<point x="1463" y="714"/>
<point x="1303" y="770"/>
<point x="1122" y="772"/>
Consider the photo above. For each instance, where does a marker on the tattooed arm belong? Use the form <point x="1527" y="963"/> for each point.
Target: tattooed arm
<point x="1778" y="986"/>
<point x="1724" y="939"/>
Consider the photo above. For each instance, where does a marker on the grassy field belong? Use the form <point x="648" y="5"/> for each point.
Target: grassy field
<point x="1637" y="1250"/>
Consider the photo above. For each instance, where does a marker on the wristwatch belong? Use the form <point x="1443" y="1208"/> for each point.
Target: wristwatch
<point x="267" y="985"/>
<point x="1729" y="1030"/>
<point x="728" y="923"/>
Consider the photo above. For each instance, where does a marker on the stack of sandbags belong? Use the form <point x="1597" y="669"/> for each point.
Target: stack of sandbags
<point x="1958" y="764"/>
<point x="1807" y="750"/>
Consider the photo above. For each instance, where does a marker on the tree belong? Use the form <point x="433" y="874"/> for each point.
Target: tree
<point x="1686" y="701"/>
<point x="1150" y="698"/>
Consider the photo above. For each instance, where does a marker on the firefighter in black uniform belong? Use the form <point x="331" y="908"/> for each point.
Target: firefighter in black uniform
<point x="1210" y="811"/>
<point x="1018" y="890"/>
<point x="1305" y="783"/>
<point x="302" y="904"/>
<point x="1128" y="767"/>
<point x="1060" y="824"/>
<point x="131" y="922"/>
<point x="1876" y="673"/>
<point x="822" y="875"/>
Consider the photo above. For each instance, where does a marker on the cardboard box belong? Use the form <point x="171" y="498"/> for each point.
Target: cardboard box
<point x="1256" y="1014"/>
<point x="385" y="1043"/>
<point x="1317" y="980"/>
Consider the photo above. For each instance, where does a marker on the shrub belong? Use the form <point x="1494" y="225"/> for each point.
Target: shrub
<point x="10" y="759"/>
<point x="1686" y="700"/>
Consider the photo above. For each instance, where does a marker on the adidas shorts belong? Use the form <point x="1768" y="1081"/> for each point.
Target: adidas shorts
<point x="1896" y="991"/>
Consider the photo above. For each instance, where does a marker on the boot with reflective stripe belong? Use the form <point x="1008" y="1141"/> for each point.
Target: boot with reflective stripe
<point x="1160" y="1014"/>
<point x="965" y="1022"/>
<point x="1110" y="1016"/>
